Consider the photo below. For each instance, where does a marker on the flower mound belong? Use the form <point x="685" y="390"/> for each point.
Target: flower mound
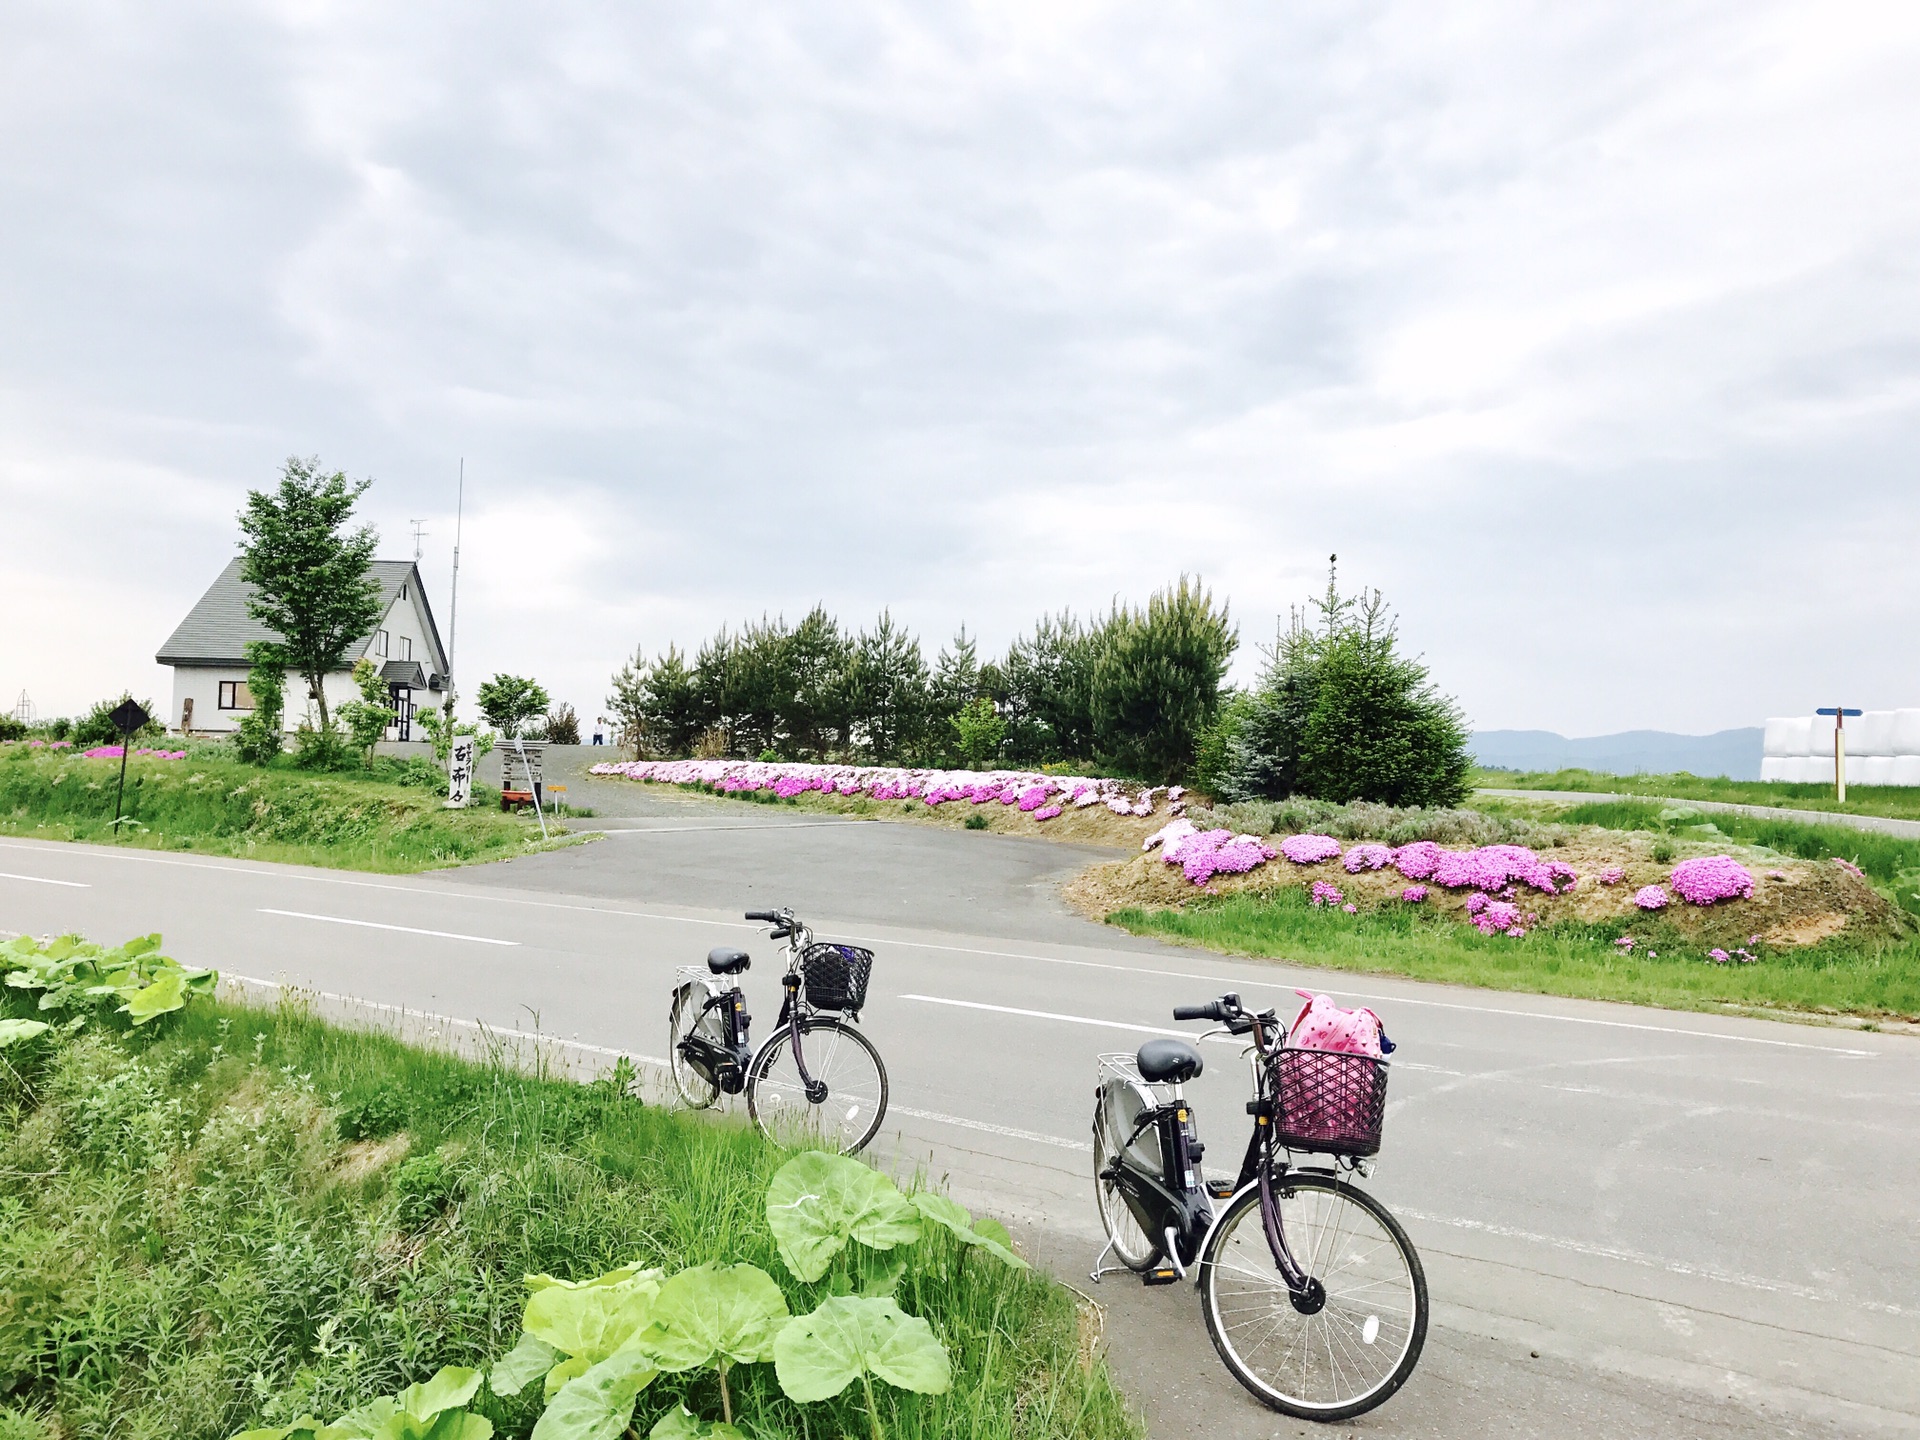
<point x="1367" y="857"/>
<point x="1414" y="894"/>
<point x="1202" y="854"/>
<point x="1325" y="894"/>
<point x="1712" y="878"/>
<point x="1612" y="875"/>
<point x="1651" y="897"/>
<point x="1309" y="849"/>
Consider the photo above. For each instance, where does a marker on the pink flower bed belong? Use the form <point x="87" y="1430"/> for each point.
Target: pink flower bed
<point x="1325" y="894"/>
<point x="1712" y="878"/>
<point x="1202" y="854"/>
<point x="1651" y="897"/>
<point x="1031" y="791"/>
<point x="1367" y="857"/>
<point x="1612" y="875"/>
<point x="1414" y="894"/>
<point x="112" y="752"/>
<point x="1309" y="849"/>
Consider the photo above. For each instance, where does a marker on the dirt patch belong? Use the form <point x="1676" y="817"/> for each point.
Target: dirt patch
<point x="1794" y="902"/>
<point x="362" y="1158"/>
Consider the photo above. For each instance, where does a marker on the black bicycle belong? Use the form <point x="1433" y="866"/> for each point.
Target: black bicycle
<point x="1313" y="1294"/>
<point x="816" y="1080"/>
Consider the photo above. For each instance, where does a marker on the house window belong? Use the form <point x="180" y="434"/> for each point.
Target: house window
<point x="380" y="643"/>
<point x="234" y="695"/>
<point x="403" y="592"/>
<point x="406" y="647"/>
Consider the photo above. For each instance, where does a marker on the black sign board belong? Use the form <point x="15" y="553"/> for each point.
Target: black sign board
<point x="128" y="717"/>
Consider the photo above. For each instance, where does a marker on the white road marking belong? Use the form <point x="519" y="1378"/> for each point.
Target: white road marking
<point x="1011" y="1132"/>
<point x="376" y="925"/>
<point x="1050" y="1015"/>
<point x="43" y="880"/>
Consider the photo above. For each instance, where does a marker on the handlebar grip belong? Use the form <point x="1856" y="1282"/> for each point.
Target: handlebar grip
<point x="1209" y="1011"/>
<point x="766" y="915"/>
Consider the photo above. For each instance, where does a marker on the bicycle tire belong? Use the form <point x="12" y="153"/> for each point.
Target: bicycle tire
<point x="1348" y="1241"/>
<point x="695" y="1090"/>
<point x="837" y="1054"/>
<point x="1132" y="1246"/>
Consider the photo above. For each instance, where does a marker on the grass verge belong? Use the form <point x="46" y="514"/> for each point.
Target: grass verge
<point x="223" y="807"/>
<point x="1880" y="980"/>
<point x="190" y="1242"/>
<point x="1898" y="802"/>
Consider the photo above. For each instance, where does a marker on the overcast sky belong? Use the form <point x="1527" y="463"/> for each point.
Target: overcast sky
<point x="1589" y="334"/>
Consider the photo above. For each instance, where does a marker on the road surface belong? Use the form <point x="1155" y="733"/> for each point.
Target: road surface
<point x="1634" y="1222"/>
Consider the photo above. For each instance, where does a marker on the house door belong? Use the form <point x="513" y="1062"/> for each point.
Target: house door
<point x="402" y="711"/>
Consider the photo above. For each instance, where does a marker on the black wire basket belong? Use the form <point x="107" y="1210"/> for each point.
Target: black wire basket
<point x="835" y="977"/>
<point x="1329" y="1101"/>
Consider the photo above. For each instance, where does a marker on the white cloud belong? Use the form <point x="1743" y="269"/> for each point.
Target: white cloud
<point x="1584" y="333"/>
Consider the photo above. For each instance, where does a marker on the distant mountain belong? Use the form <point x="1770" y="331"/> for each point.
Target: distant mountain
<point x="1732" y="753"/>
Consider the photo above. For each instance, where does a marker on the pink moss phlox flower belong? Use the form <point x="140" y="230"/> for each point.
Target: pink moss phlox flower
<point x="1497" y="917"/>
<point x="1170" y="833"/>
<point x="1753" y="939"/>
<point x="1712" y="878"/>
<point x="1776" y="874"/>
<point x="1651" y="897"/>
<point x="1414" y="894"/>
<point x="1046" y="812"/>
<point x="1418" y="860"/>
<point x="1625" y="942"/>
<point x="1851" y="868"/>
<point x="1351" y="908"/>
<point x="1367" y="857"/>
<point x="1718" y="956"/>
<point x="1325" y="894"/>
<point x="1309" y="849"/>
<point x="1612" y="875"/>
<point x="1476" y="902"/>
<point x="1033" y="797"/>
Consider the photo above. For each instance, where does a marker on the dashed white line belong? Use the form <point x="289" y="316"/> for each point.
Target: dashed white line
<point x="1010" y="1131"/>
<point x="43" y="880"/>
<point x="376" y="925"/>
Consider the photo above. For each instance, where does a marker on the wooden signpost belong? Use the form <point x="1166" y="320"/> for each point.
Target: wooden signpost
<point x="1839" y="713"/>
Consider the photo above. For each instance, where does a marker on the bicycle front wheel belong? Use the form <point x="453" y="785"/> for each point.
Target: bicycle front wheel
<point x="839" y="1057"/>
<point x="1331" y="1356"/>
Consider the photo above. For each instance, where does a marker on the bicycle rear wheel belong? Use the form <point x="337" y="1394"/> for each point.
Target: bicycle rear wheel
<point x="1113" y="1115"/>
<point x="1318" y="1362"/>
<point x="689" y="1010"/>
<point x="839" y="1057"/>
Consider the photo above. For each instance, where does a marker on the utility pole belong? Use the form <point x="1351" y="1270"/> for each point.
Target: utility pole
<point x="453" y="604"/>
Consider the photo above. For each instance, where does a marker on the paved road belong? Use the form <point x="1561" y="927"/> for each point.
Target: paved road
<point x="1703" y="1226"/>
<point x="1883" y="824"/>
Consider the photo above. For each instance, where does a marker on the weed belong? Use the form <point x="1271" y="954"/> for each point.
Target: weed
<point x="373" y="1116"/>
<point x="976" y="821"/>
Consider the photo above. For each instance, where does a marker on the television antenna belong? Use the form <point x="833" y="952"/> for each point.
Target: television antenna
<point x="419" y="533"/>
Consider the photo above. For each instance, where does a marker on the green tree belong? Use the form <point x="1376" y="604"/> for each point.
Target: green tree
<point x="888" y="693"/>
<point x="1047" y="680"/>
<point x="367" y="717"/>
<point x="1156" y="680"/>
<point x="814" y="716"/>
<point x="311" y="577"/>
<point x="509" y="701"/>
<point x="262" y="731"/>
<point x="978" y="730"/>
<point x="628" y="701"/>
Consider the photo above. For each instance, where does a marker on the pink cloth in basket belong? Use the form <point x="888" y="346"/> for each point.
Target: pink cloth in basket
<point x="1323" y="1025"/>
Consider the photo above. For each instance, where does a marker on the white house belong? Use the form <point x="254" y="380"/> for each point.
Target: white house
<point x="208" y="653"/>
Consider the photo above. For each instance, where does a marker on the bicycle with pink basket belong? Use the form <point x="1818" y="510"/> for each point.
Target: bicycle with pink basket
<point x="1312" y="1292"/>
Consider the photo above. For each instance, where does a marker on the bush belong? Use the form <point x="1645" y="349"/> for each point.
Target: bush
<point x="373" y="1116"/>
<point x="1341" y="715"/>
<point x="12" y="729"/>
<point x="96" y="726"/>
<point x="423" y="1187"/>
<point x="563" y="725"/>
<point x="261" y="732"/>
<point x="1156" y="683"/>
<point x="509" y="701"/>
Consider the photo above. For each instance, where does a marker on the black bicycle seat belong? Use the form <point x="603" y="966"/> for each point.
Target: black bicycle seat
<point x="724" y="961"/>
<point x="1168" y="1062"/>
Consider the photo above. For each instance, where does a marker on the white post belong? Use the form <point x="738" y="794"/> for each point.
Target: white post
<point x="1840" y="754"/>
<point x="460" y="773"/>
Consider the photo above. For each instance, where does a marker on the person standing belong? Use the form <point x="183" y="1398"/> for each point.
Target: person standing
<point x="600" y="731"/>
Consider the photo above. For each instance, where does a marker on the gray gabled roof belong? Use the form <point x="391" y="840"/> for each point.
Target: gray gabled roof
<point x="216" y="630"/>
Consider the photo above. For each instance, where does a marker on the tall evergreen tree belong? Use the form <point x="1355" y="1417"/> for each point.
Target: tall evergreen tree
<point x="888" y="693"/>
<point x="1156" y="681"/>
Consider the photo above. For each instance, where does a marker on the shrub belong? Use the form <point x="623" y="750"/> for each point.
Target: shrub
<point x="12" y="729"/>
<point x="509" y="701"/>
<point x="563" y="725"/>
<point x="423" y="1187"/>
<point x="373" y="1116"/>
<point x="978" y="730"/>
<point x="261" y="731"/>
<point x="96" y="726"/>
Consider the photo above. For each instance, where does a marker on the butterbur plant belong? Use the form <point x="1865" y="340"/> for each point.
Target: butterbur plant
<point x="715" y="1317"/>
<point x="818" y="1204"/>
<point x="433" y="1410"/>
<point x="853" y="1337"/>
<point x="73" y="974"/>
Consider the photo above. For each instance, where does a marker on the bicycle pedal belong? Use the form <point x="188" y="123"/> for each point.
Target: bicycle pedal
<point x="1220" y="1189"/>
<point x="1164" y="1275"/>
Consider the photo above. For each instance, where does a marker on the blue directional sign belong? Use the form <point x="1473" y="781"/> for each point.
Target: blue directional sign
<point x="1836" y="710"/>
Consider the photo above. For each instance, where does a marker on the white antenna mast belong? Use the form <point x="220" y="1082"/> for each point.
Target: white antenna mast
<point x="453" y="604"/>
<point x="419" y="533"/>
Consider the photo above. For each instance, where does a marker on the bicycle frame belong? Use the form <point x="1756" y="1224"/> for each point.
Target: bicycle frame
<point x="723" y="1065"/>
<point x="794" y="1010"/>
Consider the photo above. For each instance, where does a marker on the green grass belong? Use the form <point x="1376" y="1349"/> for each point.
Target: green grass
<point x="188" y="1245"/>
<point x="1564" y="959"/>
<point x="217" y="806"/>
<point x="1900" y="802"/>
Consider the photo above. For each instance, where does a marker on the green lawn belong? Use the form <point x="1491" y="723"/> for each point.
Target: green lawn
<point x="1878" y="981"/>
<point x="217" y="806"/>
<point x="1900" y="802"/>
<point x="190" y="1244"/>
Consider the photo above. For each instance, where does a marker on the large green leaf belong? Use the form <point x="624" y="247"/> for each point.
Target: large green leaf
<point x="629" y="1271"/>
<point x="451" y="1387"/>
<point x="169" y="992"/>
<point x="592" y="1321"/>
<point x="599" y="1404"/>
<point x="714" y="1314"/>
<point x="522" y="1365"/>
<point x="818" y="1202"/>
<point x="14" y="1030"/>
<point x="819" y="1355"/>
<point x="954" y="1217"/>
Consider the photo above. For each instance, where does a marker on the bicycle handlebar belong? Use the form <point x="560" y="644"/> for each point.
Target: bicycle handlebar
<point x="1225" y="1010"/>
<point x="769" y="916"/>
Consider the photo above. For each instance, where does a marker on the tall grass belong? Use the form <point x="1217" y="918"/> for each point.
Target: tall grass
<point x="1884" y="857"/>
<point x="188" y="1245"/>
<point x="223" y="807"/>
<point x="1901" y="802"/>
<point x="1576" y="960"/>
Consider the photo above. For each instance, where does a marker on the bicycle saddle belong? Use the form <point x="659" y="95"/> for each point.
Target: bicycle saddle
<point x="722" y="960"/>
<point x="1168" y="1062"/>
